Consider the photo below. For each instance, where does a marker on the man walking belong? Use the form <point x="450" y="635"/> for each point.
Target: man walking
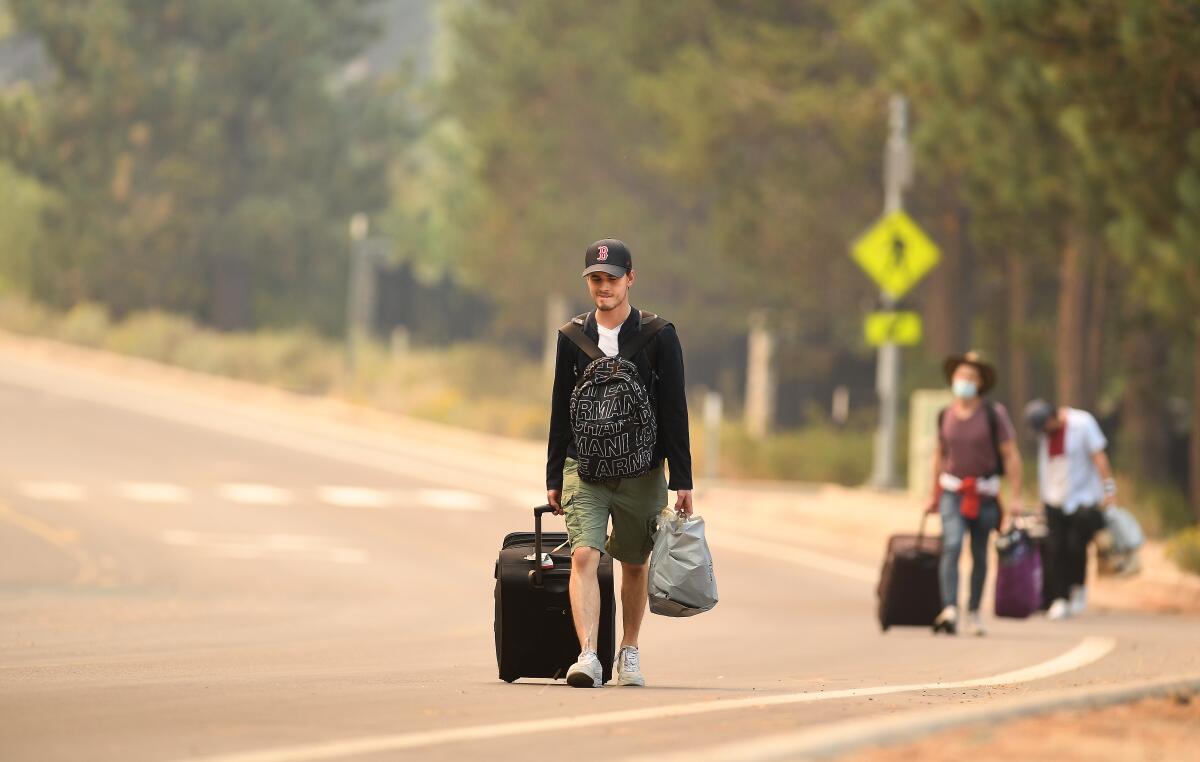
<point x="1074" y="480"/>
<point x="606" y="480"/>
<point x="976" y="447"/>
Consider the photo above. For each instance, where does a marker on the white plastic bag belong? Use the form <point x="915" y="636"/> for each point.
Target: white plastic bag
<point x="681" y="568"/>
<point x="1126" y="532"/>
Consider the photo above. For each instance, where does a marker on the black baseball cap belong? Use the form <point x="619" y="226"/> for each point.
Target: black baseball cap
<point x="608" y="255"/>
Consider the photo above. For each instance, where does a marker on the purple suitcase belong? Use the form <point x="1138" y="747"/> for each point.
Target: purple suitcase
<point x="1019" y="578"/>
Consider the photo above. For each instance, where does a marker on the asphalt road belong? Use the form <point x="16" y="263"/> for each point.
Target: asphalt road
<point x="187" y="577"/>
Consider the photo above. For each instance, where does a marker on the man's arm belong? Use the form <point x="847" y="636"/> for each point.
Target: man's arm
<point x="673" y="417"/>
<point x="1100" y="460"/>
<point x="560" y="421"/>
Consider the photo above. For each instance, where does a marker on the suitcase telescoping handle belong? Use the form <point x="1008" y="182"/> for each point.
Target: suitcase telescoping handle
<point x="537" y="541"/>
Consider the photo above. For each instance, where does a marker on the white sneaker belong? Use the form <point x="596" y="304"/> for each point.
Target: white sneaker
<point x="587" y="672"/>
<point x="975" y="625"/>
<point x="947" y="621"/>
<point x="629" y="672"/>
<point x="1058" y="610"/>
<point x="1078" y="600"/>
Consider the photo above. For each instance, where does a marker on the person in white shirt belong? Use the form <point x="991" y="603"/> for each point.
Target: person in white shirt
<point x="1075" y="481"/>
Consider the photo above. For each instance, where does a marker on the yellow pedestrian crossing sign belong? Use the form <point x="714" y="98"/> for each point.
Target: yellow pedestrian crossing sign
<point x="896" y="254"/>
<point x="902" y="328"/>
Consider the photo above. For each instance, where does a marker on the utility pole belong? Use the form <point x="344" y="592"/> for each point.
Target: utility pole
<point x="360" y="290"/>
<point x="897" y="175"/>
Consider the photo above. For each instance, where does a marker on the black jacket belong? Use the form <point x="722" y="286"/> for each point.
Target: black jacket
<point x="665" y="383"/>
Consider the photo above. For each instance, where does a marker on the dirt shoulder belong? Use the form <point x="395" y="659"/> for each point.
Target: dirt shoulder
<point x="1153" y="729"/>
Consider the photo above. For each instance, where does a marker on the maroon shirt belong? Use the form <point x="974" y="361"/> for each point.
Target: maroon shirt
<point x="967" y="443"/>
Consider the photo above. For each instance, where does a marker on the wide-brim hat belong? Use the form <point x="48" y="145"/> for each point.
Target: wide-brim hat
<point x="987" y="373"/>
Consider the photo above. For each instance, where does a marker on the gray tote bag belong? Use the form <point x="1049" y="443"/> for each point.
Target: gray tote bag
<point x="681" y="568"/>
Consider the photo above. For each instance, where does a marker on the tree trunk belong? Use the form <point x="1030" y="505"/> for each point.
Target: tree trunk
<point x="1069" y="340"/>
<point x="1145" y="430"/>
<point x="230" y="293"/>
<point x="944" y="326"/>
<point x="1094" y="364"/>
<point x="1194" y="438"/>
<point x="1018" y="308"/>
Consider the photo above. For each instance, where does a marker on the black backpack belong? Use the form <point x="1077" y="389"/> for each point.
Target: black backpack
<point x="612" y="413"/>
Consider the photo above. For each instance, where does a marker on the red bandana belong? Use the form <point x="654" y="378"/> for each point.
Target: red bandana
<point x="1056" y="441"/>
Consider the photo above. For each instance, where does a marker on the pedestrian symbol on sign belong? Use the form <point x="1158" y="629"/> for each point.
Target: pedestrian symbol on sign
<point x="896" y="254"/>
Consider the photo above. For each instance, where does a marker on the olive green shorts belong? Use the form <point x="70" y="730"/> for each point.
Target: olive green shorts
<point x="634" y="505"/>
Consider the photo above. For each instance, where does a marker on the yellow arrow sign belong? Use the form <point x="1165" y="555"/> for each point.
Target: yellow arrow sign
<point x="902" y="328"/>
<point x="896" y="254"/>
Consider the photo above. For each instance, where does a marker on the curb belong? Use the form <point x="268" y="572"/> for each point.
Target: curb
<point x="855" y="735"/>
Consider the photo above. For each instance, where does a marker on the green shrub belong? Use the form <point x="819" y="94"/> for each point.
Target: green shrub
<point x="153" y="335"/>
<point x="815" y="453"/>
<point x="1161" y="509"/>
<point x="86" y="324"/>
<point x="19" y="315"/>
<point x="1184" y="549"/>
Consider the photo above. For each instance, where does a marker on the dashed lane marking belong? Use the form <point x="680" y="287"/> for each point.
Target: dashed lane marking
<point x="279" y="547"/>
<point x="254" y="494"/>
<point x="65" y="492"/>
<point x="354" y="497"/>
<point x="154" y="492"/>
<point x="452" y="500"/>
<point x="1086" y="652"/>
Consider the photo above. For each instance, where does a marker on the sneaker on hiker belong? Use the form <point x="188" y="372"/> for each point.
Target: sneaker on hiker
<point x="587" y="672"/>
<point x="975" y="624"/>
<point x="947" y="621"/>
<point x="629" y="671"/>
<point x="1059" y="609"/>
<point x="1078" y="602"/>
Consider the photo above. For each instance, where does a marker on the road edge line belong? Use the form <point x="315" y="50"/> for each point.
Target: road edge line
<point x="857" y="735"/>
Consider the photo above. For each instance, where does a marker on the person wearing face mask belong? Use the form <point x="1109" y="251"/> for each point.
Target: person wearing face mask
<point x="1075" y="482"/>
<point x="976" y="448"/>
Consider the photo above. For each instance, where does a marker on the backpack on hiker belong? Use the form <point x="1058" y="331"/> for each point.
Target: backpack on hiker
<point x="613" y="421"/>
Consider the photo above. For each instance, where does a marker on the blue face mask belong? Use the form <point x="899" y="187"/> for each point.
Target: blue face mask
<point x="964" y="389"/>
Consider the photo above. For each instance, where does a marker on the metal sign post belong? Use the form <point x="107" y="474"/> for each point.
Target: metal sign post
<point x="897" y="255"/>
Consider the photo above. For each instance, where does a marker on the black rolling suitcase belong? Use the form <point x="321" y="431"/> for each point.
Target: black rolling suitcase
<point x="535" y="636"/>
<point x="908" y="592"/>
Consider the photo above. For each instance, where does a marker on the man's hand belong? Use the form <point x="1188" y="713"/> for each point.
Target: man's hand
<point x="931" y="507"/>
<point x="554" y="498"/>
<point x="683" y="502"/>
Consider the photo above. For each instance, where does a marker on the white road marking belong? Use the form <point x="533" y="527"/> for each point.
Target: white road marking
<point x="794" y="555"/>
<point x="1086" y="652"/>
<point x="840" y="738"/>
<point x="254" y="494"/>
<point x="153" y="492"/>
<point x="65" y="492"/>
<point x="452" y="500"/>
<point x="529" y="499"/>
<point x="282" y="547"/>
<point x="353" y="497"/>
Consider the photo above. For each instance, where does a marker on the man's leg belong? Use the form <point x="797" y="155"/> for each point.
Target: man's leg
<point x="1056" y="571"/>
<point x="585" y="596"/>
<point x="635" y="517"/>
<point x="634" y="578"/>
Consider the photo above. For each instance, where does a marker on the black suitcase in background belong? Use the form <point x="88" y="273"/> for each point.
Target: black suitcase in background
<point x="909" y="593"/>
<point x="535" y="635"/>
